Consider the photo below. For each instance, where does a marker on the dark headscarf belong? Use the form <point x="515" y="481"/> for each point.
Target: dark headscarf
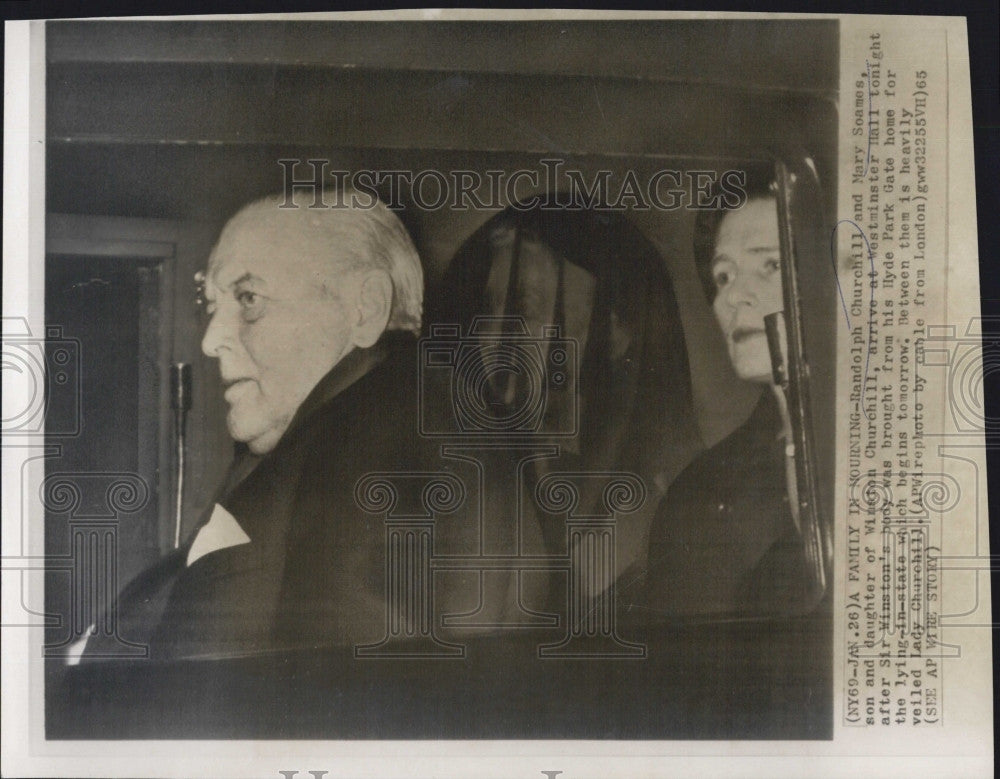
<point x="635" y="405"/>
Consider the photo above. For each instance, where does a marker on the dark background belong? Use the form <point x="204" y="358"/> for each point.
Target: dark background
<point x="983" y="23"/>
<point x="158" y="131"/>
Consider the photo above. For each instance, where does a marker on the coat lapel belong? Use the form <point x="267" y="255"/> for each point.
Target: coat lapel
<point x="226" y="601"/>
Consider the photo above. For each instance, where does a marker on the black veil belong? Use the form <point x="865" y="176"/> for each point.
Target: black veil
<point x="634" y="382"/>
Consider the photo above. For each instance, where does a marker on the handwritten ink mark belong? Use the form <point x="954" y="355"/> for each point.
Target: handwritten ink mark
<point x="871" y="300"/>
<point x="868" y="158"/>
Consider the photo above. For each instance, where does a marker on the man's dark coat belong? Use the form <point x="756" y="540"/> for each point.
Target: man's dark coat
<point x="313" y="573"/>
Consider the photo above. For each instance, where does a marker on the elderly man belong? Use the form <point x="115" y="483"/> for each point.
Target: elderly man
<point x="312" y="315"/>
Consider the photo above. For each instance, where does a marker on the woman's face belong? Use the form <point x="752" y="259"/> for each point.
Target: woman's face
<point x="746" y="269"/>
<point x="535" y="295"/>
<point x="538" y="287"/>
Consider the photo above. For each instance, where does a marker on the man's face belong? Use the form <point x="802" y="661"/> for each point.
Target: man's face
<point x="747" y="273"/>
<point x="273" y="328"/>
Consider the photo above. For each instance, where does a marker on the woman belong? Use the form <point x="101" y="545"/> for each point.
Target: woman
<point x="620" y="402"/>
<point x="725" y="540"/>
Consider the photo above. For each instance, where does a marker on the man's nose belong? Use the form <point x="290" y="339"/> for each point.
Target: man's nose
<point x="218" y="334"/>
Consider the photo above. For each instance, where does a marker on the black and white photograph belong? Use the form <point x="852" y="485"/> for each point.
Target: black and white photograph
<point x="440" y="380"/>
<point x="507" y="378"/>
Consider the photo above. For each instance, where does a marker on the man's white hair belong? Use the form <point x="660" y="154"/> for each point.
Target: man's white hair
<point x="363" y="234"/>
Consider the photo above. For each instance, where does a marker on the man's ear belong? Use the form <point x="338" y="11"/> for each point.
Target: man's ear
<point x="374" y="303"/>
